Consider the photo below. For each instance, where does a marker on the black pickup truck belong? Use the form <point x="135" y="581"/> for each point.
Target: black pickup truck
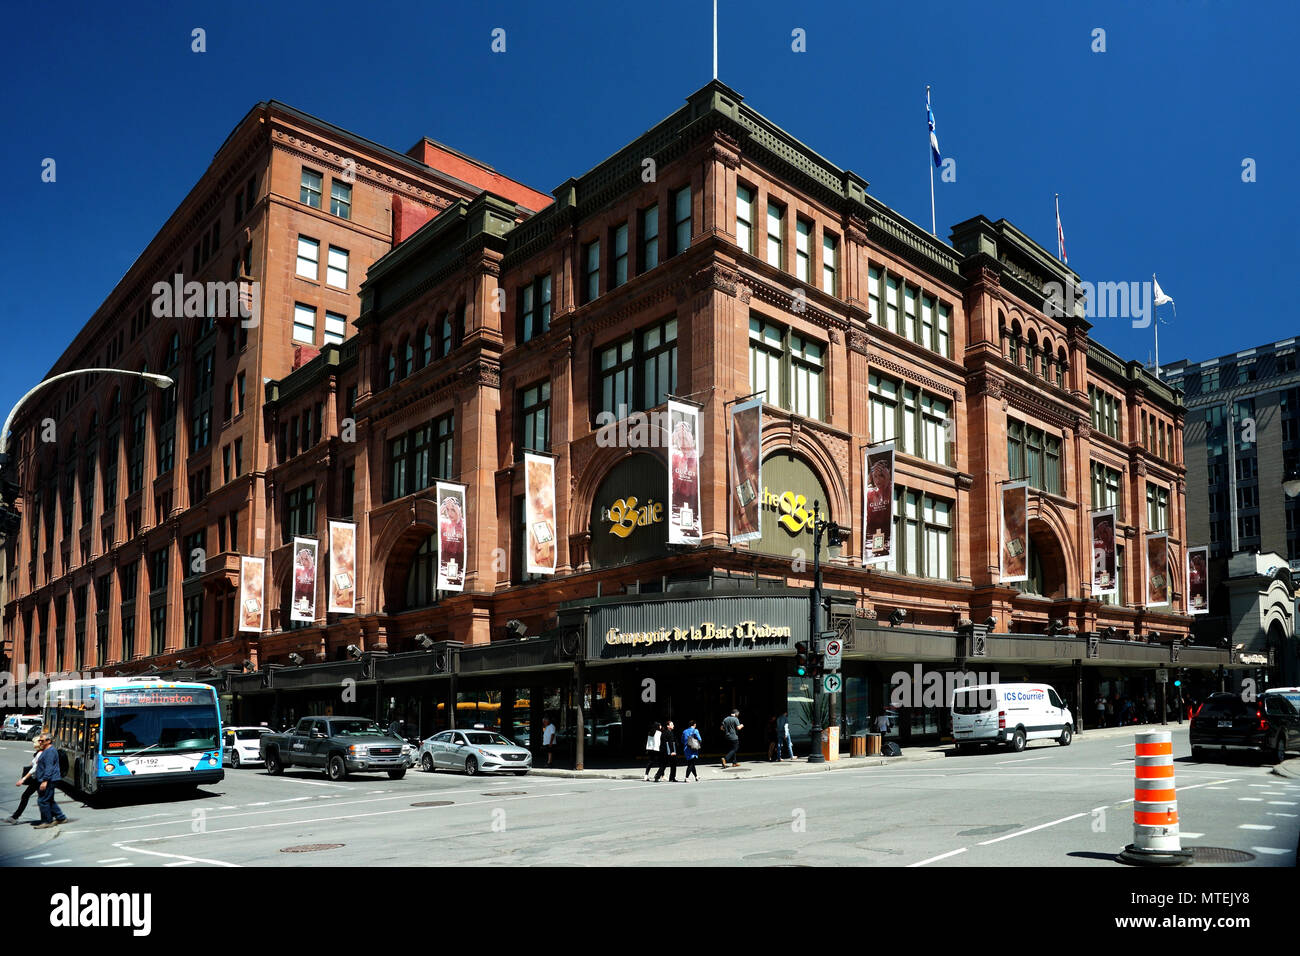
<point x="337" y="745"/>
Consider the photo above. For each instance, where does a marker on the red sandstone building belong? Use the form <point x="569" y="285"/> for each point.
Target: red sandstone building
<point x="511" y="322"/>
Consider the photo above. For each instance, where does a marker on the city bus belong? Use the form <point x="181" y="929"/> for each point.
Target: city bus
<point x="134" y="731"/>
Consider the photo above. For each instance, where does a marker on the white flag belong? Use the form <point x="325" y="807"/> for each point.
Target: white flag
<point x="1161" y="298"/>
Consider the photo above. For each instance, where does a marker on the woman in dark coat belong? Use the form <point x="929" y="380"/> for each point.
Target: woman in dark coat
<point x="667" y="754"/>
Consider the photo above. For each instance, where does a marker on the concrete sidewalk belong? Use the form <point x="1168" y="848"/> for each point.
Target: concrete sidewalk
<point x="712" y="769"/>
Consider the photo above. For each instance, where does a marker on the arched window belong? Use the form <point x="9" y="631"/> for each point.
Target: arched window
<point x="445" y="336"/>
<point x="1003" y="338"/>
<point x="390" y="367"/>
<point x="1048" y="359"/>
<point x="427" y="333"/>
<point x="422" y="579"/>
<point x="407" y="356"/>
<point x="1031" y="353"/>
<point x="1013" y="353"/>
<point x="1062" y="364"/>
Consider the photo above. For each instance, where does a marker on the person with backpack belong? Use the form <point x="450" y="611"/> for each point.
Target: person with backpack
<point x="731" y="728"/>
<point x="653" y="741"/>
<point x="691" y="747"/>
<point x="26" y="779"/>
<point x="667" y="754"/>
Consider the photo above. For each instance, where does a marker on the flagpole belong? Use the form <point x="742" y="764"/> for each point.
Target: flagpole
<point x="715" y="39"/>
<point x="1155" y="320"/>
<point x="933" y="229"/>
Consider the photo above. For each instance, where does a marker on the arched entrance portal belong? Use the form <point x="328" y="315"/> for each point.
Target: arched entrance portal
<point x="1046" y="562"/>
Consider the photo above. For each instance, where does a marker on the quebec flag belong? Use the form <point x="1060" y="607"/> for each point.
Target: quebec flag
<point x="934" y="140"/>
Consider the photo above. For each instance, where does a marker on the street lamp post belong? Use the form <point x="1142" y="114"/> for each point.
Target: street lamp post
<point x="820" y="527"/>
<point x="162" y="381"/>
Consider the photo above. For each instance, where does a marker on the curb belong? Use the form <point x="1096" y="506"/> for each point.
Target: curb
<point x="1288" y="768"/>
<point x="713" y="772"/>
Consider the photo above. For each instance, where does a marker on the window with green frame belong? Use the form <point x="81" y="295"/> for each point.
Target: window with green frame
<point x="788" y="367"/>
<point x="1157" y="508"/>
<point x="1034" y="455"/>
<point x="922" y="535"/>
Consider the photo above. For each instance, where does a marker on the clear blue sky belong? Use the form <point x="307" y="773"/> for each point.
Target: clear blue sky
<point x="1144" y="142"/>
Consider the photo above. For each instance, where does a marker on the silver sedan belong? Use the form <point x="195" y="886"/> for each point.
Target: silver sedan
<point x="474" y="752"/>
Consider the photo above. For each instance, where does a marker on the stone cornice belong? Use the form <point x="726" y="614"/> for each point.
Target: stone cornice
<point x="876" y="360"/>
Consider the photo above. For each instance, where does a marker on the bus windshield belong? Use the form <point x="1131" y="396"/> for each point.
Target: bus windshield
<point x="160" y="729"/>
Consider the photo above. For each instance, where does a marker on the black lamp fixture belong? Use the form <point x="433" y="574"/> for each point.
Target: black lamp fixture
<point x="1154" y="636"/>
<point x="355" y="651"/>
<point x="425" y="641"/>
<point x="990" y="622"/>
<point x="295" y="658"/>
<point x="248" y="665"/>
<point x="1110" y="633"/>
<point x="516" y="627"/>
<point x="896" y="617"/>
<point x="180" y="664"/>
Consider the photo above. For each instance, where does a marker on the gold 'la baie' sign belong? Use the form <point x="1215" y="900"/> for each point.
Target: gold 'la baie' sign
<point x="627" y="514"/>
<point x="707" y="631"/>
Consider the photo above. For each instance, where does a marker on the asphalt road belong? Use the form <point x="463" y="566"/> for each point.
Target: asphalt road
<point x="1049" y="806"/>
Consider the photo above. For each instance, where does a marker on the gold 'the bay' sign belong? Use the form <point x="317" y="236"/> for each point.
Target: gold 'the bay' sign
<point x="795" y="514"/>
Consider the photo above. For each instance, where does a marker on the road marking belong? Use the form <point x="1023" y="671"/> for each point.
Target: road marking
<point x="1041" y="826"/>
<point x="1191" y="836"/>
<point x="173" y="856"/>
<point x="290" y="800"/>
<point x="1271" y="793"/>
<point x="1281" y="803"/>
<point x="112" y="859"/>
<point x="116" y="865"/>
<point x="264" y="803"/>
<point x="1271" y="850"/>
<point x="1251" y="799"/>
<point x="182" y="863"/>
<point x="1022" y="760"/>
<point x="37" y="856"/>
<point x="1261" y="784"/>
<point x="1218" y="788"/>
<point x="66" y="859"/>
<point x="1118" y="762"/>
<point x="318" y="783"/>
<point x="1257" y="826"/>
<point x="941" y="856"/>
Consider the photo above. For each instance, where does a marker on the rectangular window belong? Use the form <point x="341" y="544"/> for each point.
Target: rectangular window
<point x="535" y="308"/>
<point x="806" y="364"/>
<point x="891" y="304"/>
<point x="336" y="268"/>
<point x="336" y="327"/>
<point x="745" y="218"/>
<point x="1157" y="508"/>
<point x="300" y="512"/>
<point x="308" y="258"/>
<point x="194" y="620"/>
<point x="239" y="457"/>
<point x="934" y="429"/>
<point x="787" y="366"/>
<point x="444" y="434"/>
<point x="882" y="400"/>
<point x="310" y="189"/>
<point x="340" y="199"/>
<point x="649" y="238"/>
<point x="873" y="295"/>
<point x="766" y="350"/>
<point x="830" y="263"/>
<point x="1034" y="455"/>
<point x="802" y="250"/>
<point x="591" y="271"/>
<point x="158" y="629"/>
<point x="620" y="255"/>
<point x="658" y="363"/>
<point x="775" y="235"/>
<point x="304" y="323"/>
<point x="1105" y="489"/>
<point x="535" y="417"/>
<point x="159" y="562"/>
<point x="910" y="329"/>
<point x="615" y="367"/>
<point x="681" y="220"/>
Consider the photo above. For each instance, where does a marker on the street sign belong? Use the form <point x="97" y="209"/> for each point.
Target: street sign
<point x="834" y="652"/>
<point x="831" y="684"/>
<point x="1162" y="675"/>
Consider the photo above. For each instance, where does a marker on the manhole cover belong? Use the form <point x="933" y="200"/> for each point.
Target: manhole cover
<point x="505" y="793"/>
<point x="434" y="803"/>
<point x="991" y="830"/>
<point x="310" y="847"/>
<point x="1220" y="854"/>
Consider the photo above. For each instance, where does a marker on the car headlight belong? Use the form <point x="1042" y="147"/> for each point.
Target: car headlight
<point x="357" y="751"/>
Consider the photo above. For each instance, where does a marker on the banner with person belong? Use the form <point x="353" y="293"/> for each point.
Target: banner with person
<point x="1198" y="580"/>
<point x="343" y="568"/>
<point x="252" y="585"/>
<point x="1105" y="579"/>
<point x="1157" y="569"/>
<point x="539" y="516"/>
<point x="878" y="504"/>
<point x="1014" y="532"/>
<point x="303" y="605"/>
<point x="451" y="536"/>
<point x="746" y="477"/>
<point x="683" y="473"/>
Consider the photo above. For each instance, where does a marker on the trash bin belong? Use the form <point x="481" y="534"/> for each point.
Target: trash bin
<point x="873" y="745"/>
<point x="858" y="745"/>
<point x="831" y="743"/>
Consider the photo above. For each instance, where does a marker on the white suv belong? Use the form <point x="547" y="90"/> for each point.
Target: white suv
<point x="20" y="727"/>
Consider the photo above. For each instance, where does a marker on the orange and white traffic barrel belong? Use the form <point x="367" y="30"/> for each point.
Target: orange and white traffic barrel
<point x="1155" y="803"/>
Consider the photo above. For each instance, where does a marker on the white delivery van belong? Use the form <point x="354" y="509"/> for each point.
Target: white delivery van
<point x="1011" y="714"/>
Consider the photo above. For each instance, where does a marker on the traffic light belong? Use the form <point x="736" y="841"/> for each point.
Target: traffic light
<point x="801" y="659"/>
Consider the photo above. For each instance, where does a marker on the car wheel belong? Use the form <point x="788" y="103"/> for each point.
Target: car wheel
<point x="337" y="769"/>
<point x="234" y="760"/>
<point x="1198" y="754"/>
<point x="427" y="763"/>
<point x="1279" y="750"/>
<point x="471" y="766"/>
<point x="273" y="766"/>
<point x="1067" y="734"/>
<point x="1018" y="741"/>
<point x="397" y="774"/>
<point x="520" y="773"/>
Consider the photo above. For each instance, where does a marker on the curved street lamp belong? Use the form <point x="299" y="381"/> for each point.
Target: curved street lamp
<point x="162" y="381"/>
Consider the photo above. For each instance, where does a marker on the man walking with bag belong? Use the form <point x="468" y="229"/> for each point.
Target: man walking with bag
<point x="48" y="774"/>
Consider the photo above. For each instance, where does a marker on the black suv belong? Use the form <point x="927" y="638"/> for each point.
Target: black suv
<point x="1269" y="726"/>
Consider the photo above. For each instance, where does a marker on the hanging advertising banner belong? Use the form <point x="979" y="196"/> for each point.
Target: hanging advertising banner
<point x="1198" y="580"/>
<point x="683" y="474"/>
<point x="1014" y="531"/>
<point x="451" y="536"/>
<point x="343" y="568"/>
<point x="878" y="504"/>
<point x="1105" y="579"/>
<point x="1157" y="568"/>
<point x="746" y="478"/>
<point x="252" y="579"/>
<point x="303" y="606"/>
<point x="539" y="513"/>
